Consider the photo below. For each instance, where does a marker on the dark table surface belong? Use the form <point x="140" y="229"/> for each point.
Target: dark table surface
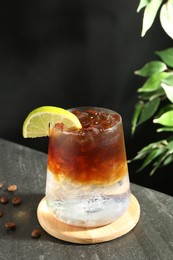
<point x="152" y="238"/>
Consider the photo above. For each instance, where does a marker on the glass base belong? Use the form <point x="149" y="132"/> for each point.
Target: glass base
<point x="83" y="235"/>
<point x="87" y="205"/>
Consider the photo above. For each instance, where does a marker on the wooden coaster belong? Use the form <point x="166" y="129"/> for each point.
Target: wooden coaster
<point x="82" y="235"/>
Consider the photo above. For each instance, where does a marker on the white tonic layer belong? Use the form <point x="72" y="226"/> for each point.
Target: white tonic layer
<point x="86" y="205"/>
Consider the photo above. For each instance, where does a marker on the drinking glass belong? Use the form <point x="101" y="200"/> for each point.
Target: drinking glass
<point x="87" y="175"/>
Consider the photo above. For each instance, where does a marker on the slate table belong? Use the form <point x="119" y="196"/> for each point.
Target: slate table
<point x="152" y="238"/>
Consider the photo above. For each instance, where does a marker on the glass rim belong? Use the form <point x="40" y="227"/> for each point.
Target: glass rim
<point x="80" y="108"/>
<point x="99" y="109"/>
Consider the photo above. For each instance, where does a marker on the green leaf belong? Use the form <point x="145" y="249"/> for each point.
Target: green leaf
<point x="148" y="110"/>
<point x="153" y="155"/>
<point x="152" y="146"/>
<point x="166" y="17"/>
<point x="139" y="156"/>
<point x="151" y="68"/>
<point x="165" y="129"/>
<point x="148" y="149"/>
<point x="153" y="82"/>
<point x="152" y="95"/>
<point x="168" y="90"/>
<point x="136" y="114"/>
<point x="150" y="14"/>
<point x="158" y="152"/>
<point x="170" y="146"/>
<point x="165" y="109"/>
<point x="142" y="153"/>
<point x="166" y="56"/>
<point x="166" y="119"/>
<point x="169" y="79"/>
<point x="168" y="160"/>
<point x="142" y="4"/>
<point x="158" y="163"/>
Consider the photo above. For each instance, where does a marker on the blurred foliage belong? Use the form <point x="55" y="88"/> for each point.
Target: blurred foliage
<point x="155" y="96"/>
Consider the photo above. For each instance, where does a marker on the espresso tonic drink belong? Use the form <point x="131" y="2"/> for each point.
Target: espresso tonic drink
<point x="87" y="177"/>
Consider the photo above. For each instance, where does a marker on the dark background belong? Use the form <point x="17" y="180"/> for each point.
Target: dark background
<point x="74" y="53"/>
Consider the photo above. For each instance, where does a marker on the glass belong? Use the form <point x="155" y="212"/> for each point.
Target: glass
<point x="87" y="177"/>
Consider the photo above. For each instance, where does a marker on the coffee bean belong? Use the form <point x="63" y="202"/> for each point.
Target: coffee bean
<point x="12" y="188"/>
<point x="1" y="214"/>
<point x="10" y="225"/>
<point x="1" y="185"/>
<point x="16" y="201"/>
<point x="3" y="199"/>
<point x="36" y="233"/>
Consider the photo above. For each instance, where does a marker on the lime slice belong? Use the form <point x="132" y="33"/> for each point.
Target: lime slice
<point x="37" y="122"/>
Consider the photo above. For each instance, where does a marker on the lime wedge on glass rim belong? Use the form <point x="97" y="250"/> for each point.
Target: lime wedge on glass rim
<point x="37" y="122"/>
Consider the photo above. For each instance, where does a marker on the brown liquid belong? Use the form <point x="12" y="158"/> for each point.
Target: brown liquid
<point x="92" y="155"/>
